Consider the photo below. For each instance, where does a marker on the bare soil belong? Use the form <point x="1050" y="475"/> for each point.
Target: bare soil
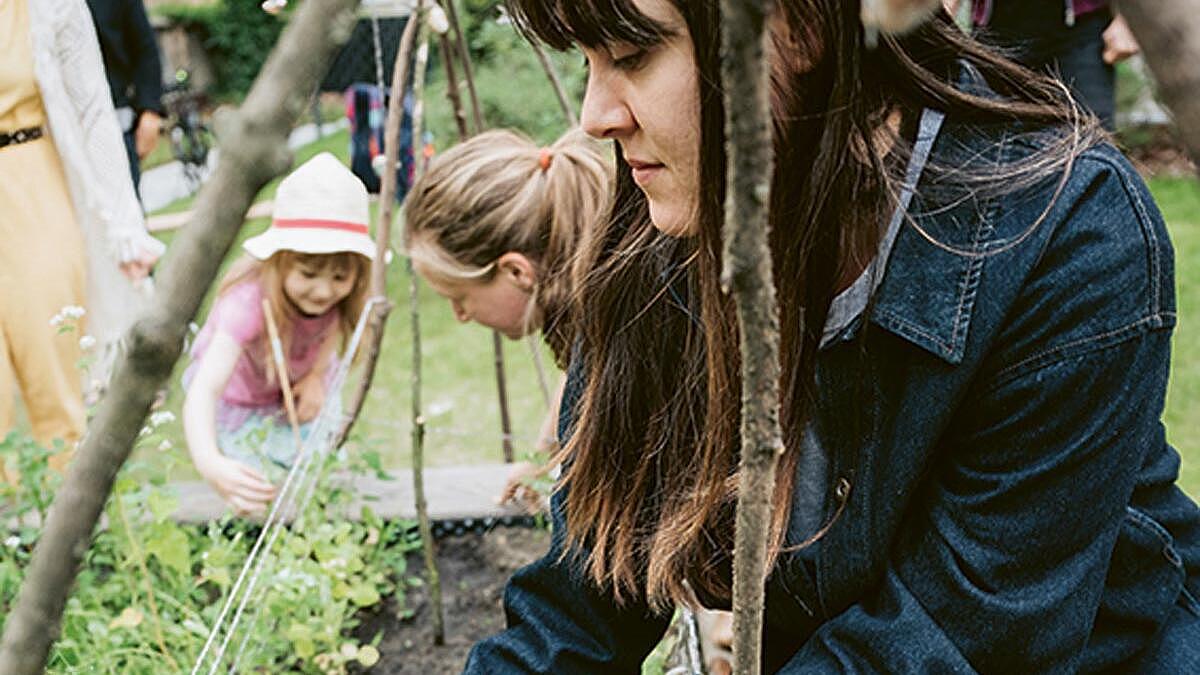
<point x="474" y="569"/>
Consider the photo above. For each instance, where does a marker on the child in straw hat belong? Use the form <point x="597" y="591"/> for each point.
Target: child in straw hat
<point x="311" y="266"/>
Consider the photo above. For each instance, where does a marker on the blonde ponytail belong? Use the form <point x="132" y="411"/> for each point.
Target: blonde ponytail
<point x="499" y="192"/>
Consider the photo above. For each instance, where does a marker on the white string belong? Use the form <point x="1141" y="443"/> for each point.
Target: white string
<point x="319" y="438"/>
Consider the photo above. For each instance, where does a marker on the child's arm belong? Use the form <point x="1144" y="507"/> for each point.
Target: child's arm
<point x="516" y="484"/>
<point x="310" y="389"/>
<point x="241" y="486"/>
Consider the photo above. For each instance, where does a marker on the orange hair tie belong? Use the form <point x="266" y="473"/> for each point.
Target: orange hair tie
<point x="544" y="158"/>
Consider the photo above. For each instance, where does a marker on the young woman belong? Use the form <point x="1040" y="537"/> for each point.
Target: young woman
<point x="72" y="228"/>
<point x="976" y="298"/>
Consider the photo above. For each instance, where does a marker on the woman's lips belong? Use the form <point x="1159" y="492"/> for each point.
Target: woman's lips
<point x="644" y="172"/>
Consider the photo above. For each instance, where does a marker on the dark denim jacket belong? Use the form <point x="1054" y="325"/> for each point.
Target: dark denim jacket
<point x="1002" y="497"/>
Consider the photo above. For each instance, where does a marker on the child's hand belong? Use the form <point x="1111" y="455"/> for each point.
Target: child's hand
<point x="243" y="488"/>
<point x="515" y="489"/>
<point x="310" y="396"/>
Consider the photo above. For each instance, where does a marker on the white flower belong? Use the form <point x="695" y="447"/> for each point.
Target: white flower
<point x="87" y="342"/>
<point x="72" y="312"/>
<point x="161" y="417"/>
<point x="165" y="445"/>
<point x="13" y="541"/>
<point x="193" y="328"/>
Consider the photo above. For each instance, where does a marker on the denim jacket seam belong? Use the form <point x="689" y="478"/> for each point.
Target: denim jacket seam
<point x="904" y="324"/>
<point x="969" y="286"/>
<point x="1081" y="346"/>
<point x="1190" y="601"/>
<point x="1145" y="223"/>
<point x="1148" y="521"/>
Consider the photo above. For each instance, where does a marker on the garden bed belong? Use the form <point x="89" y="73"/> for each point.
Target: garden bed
<point x="474" y="569"/>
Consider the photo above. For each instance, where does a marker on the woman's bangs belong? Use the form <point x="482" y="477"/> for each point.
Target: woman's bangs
<point x="589" y="23"/>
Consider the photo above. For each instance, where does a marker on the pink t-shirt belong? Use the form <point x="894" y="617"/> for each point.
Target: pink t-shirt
<point x="238" y="313"/>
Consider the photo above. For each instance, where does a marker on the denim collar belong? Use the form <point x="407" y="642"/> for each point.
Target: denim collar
<point x="928" y="292"/>
<point x="923" y="280"/>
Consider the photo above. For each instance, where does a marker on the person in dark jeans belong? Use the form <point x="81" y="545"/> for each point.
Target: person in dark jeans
<point x="1079" y="40"/>
<point x="134" y="70"/>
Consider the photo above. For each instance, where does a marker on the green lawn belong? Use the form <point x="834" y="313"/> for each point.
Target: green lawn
<point x="1179" y="199"/>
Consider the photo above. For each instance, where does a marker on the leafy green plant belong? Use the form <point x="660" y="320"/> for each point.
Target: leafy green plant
<point x="151" y="589"/>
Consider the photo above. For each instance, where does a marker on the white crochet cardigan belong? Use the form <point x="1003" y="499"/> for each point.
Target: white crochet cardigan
<point x="81" y="120"/>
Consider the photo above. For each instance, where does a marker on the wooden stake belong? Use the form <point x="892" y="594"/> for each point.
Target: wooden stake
<point x="747" y="274"/>
<point x="497" y="343"/>
<point x="555" y="82"/>
<point x="465" y="56"/>
<point x="418" y="419"/>
<point x="383" y="225"/>
<point x="281" y="369"/>
<point x="452" y="85"/>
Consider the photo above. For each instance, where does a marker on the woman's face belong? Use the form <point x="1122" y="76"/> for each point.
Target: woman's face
<point x="648" y="101"/>
<point x="501" y="303"/>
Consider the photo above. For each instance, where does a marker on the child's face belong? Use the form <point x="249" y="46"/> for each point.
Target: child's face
<point x="501" y="303"/>
<point x="315" y="289"/>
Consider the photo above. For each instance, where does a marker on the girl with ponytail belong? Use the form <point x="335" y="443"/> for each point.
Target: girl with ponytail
<point x="494" y="227"/>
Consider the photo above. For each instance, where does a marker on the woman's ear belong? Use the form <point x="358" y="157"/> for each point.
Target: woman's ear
<point x="518" y="269"/>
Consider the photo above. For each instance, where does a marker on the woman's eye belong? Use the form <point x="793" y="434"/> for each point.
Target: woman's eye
<point x="308" y="274"/>
<point x="630" y="61"/>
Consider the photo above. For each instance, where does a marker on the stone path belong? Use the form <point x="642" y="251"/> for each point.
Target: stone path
<point x="453" y="493"/>
<point x="174" y="221"/>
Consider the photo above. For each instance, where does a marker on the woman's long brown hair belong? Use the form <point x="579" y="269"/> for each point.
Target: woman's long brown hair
<point x="651" y="469"/>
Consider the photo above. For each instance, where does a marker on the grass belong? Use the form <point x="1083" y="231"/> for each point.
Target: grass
<point x="1179" y="200"/>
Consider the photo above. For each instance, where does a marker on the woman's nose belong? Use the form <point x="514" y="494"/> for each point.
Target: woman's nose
<point x="605" y="114"/>
<point x="459" y="312"/>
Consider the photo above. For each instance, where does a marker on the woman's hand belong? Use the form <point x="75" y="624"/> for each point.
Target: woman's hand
<point x="139" y="268"/>
<point x="149" y="127"/>
<point x="1119" y="43"/>
<point x="243" y="488"/>
<point x="310" y="396"/>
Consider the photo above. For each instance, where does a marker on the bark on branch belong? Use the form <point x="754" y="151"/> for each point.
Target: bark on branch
<point x="428" y="548"/>
<point x="253" y="151"/>
<point x="383" y="226"/>
<point x="747" y="274"/>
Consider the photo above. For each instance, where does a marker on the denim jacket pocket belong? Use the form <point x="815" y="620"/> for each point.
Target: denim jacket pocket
<point x="1143" y="585"/>
<point x="1146" y="575"/>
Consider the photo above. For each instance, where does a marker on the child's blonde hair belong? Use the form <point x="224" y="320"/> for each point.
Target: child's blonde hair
<point x="499" y="192"/>
<point x="270" y="273"/>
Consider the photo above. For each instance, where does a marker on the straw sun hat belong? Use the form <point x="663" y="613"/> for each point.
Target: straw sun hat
<point x="321" y="207"/>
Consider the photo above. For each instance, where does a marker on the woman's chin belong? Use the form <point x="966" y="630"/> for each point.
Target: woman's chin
<point x="672" y="220"/>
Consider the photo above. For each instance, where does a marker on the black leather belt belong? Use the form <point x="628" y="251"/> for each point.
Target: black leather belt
<point x="20" y="136"/>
